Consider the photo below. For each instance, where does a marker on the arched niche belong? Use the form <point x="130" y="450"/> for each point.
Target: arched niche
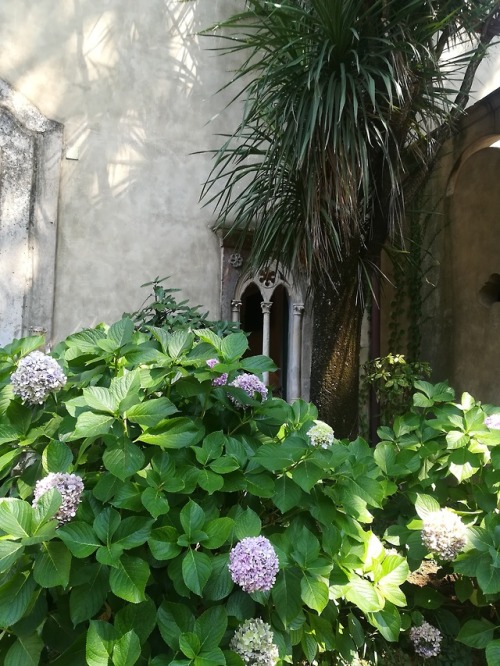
<point x="474" y="147"/>
<point x="270" y="306"/>
<point x="30" y="162"/>
<point x="472" y="274"/>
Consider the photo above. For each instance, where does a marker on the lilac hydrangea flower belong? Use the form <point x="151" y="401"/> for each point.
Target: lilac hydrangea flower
<point x="444" y="534"/>
<point x="69" y="485"/>
<point x="254" y="642"/>
<point x="492" y="421"/>
<point x="36" y="376"/>
<point x="251" y="384"/>
<point x="253" y="564"/>
<point x="218" y="381"/>
<point x="321" y="434"/>
<point x="426" y="640"/>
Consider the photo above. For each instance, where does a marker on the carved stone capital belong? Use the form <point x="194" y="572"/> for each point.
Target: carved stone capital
<point x="266" y="307"/>
<point x="298" y="309"/>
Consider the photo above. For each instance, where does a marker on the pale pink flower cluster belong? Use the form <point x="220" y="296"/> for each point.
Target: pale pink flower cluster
<point x="253" y="564"/>
<point x="251" y="384"/>
<point x="426" y="640"/>
<point x="70" y="486"/>
<point x="218" y="381"/>
<point x="37" y="375"/>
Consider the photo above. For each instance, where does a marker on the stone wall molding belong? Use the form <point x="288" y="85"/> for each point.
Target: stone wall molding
<point x="30" y="165"/>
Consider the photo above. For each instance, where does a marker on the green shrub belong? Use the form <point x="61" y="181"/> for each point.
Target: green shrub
<point x="443" y="455"/>
<point x="162" y="309"/>
<point x="392" y="379"/>
<point x="178" y="467"/>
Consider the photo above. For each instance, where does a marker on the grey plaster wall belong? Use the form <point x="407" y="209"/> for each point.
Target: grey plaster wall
<point x="134" y="87"/>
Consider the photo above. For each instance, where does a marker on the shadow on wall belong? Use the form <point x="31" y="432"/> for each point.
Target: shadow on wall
<point x="135" y="91"/>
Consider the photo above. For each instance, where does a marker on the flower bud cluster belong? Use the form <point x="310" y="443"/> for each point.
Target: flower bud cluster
<point x="492" y="421"/>
<point x="253" y="564"/>
<point x="36" y="376"/>
<point x="218" y="381"/>
<point x="251" y="384"/>
<point x="321" y="434"/>
<point x="253" y="641"/>
<point x="70" y="487"/>
<point x="444" y="534"/>
<point x="426" y="640"/>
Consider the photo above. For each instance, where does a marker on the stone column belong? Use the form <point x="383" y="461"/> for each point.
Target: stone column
<point x="266" y="333"/>
<point x="294" y="390"/>
<point x="235" y="311"/>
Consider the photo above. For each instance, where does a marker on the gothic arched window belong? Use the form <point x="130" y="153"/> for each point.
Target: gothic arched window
<point x="270" y="308"/>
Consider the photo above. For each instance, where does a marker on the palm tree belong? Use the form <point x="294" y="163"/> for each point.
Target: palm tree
<point x="346" y="104"/>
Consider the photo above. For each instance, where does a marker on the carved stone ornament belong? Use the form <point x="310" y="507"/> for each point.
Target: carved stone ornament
<point x="236" y="260"/>
<point x="267" y="277"/>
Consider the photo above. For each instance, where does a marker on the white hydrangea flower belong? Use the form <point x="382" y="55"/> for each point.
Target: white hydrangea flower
<point x="492" y="421"/>
<point x="321" y="434"/>
<point x="426" y="640"/>
<point x="69" y="485"/>
<point x="444" y="534"/>
<point x="37" y="375"/>
<point x="253" y="641"/>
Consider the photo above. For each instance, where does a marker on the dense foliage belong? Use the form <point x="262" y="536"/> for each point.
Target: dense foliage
<point x="445" y="454"/>
<point x="220" y="525"/>
<point x="177" y="471"/>
<point x="391" y="378"/>
<point x="161" y="308"/>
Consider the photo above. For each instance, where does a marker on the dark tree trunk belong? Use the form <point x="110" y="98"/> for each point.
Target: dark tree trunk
<point x="338" y="315"/>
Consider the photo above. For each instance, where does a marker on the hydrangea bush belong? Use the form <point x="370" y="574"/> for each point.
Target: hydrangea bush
<point x="159" y="508"/>
<point x="444" y="455"/>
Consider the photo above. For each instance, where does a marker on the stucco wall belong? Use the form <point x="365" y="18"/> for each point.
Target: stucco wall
<point x="134" y="87"/>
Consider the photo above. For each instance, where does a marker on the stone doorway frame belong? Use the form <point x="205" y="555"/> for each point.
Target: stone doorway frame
<point x="37" y="285"/>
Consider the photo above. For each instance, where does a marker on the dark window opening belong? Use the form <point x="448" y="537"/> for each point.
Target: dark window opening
<point x="278" y="346"/>
<point x="252" y="318"/>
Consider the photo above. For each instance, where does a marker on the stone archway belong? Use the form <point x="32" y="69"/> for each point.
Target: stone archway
<point x="30" y="162"/>
<point x="268" y="282"/>
<point x="461" y="323"/>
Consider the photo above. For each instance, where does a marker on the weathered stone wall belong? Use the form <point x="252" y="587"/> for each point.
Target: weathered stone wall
<point x="134" y="87"/>
<point x="30" y="160"/>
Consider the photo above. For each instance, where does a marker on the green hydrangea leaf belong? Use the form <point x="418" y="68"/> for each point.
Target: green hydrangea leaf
<point x="52" y="565"/>
<point x="126" y="650"/>
<point x="25" y="651"/>
<point x="196" y="570"/>
<point x="128" y="580"/>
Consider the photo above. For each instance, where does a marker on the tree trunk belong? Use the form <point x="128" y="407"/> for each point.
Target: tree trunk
<point x="338" y="315"/>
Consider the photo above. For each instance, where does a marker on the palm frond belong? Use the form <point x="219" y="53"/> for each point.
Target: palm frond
<point x="340" y="99"/>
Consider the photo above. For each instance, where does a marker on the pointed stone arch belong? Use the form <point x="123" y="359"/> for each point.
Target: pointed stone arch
<point x="268" y="281"/>
<point x="30" y="163"/>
